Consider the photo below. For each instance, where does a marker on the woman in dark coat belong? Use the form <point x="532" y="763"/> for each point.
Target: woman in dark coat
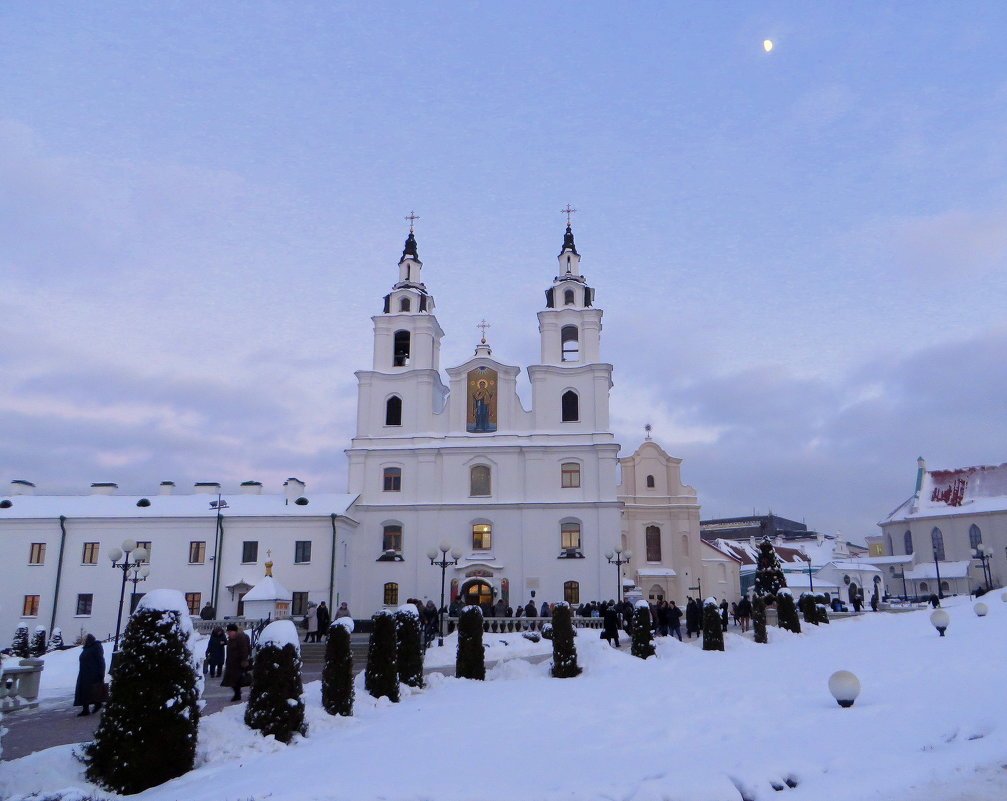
<point x="324" y="619"/>
<point x="90" y="677"/>
<point x="239" y="652"/>
<point x="611" y="631"/>
<point x="215" y="652"/>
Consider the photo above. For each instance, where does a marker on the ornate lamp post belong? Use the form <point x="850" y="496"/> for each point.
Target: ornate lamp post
<point x="984" y="555"/>
<point x="618" y="557"/>
<point x="135" y="571"/>
<point x="443" y="563"/>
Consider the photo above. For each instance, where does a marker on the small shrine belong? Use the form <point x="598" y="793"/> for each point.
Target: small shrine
<point x="267" y="600"/>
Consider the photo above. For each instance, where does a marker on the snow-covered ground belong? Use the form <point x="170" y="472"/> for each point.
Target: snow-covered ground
<point x="930" y="724"/>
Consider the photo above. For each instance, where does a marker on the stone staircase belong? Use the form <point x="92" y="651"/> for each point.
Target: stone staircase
<point x="314" y="653"/>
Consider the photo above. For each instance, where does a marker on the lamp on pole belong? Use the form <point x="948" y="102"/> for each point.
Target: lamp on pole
<point x="984" y="554"/>
<point x="443" y="563"/>
<point x="937" y="567"/>
<point x="811" y="577"/>
<point x="135" y="571"/>
<point x="618" y="557"/>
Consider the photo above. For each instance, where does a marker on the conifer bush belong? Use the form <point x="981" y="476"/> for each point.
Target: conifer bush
<point x="759" y="621"/>
<point x="769" y="578"/>
<point x="564" y="651"/>
<point x="381" y="676"/>
<point x="821" y="609"/>
<point x="470" y="660"/>
<point x="147" y="733"/>
<point x="276" y="698"/>
<point x="409" y="645"/>
<point x="806" y="603"/>
<point x="37" y="646"/>
<point x="713" y="626"/>
<point x="787" y="611"/>
<point x="337" y="673"/>
<point x="20" y="645"/>
<point x="56" y="640"/>
<point x="643" y="638"/>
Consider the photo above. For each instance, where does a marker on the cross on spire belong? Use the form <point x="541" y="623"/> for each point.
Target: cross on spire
<point x="484" y="325"/>
<point x="648" y="429"/>
<point x="413" y="217"/>
<point x="568" y="211"/>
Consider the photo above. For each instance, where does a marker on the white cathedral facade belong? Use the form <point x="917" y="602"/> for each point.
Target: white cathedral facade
<point x="531" y="500"/>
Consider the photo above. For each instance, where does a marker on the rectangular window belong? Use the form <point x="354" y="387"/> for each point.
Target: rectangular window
<point x="194" y="601"/>
<point x="569" y="534"/>
<point x="36" y="555"/>
<point x="482" y="537"/>
<point x="145" y="544"/>
<point x="249" y="551"/>
<point x="302" y="552"/>
<point x="391" y="593"/>
<point x="299" y="605"/>
<point x="84" y="602"/>
<point x="197" y="552"/>
<point x="391" y="539"/>
<point x="392" y="479"/>
<point x="90" y="554"/>
<point x="571" y="592"/>
<point x="570" y="473"/>
<point x="30" y="606"/>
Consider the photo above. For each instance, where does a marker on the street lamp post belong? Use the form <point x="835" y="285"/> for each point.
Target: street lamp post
<point x="983" y="554"/>
<point x="618" y="557"/>
<point x="443" y="563"/>
<point x="135" y="571"/>
<point x="811" y="577"/>
<point x="937" y="567"/>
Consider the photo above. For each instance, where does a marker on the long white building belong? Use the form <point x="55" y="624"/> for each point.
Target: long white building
<point x="532" y="499"/>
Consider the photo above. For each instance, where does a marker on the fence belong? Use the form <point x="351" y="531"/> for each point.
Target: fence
<point x="505" y="625"/>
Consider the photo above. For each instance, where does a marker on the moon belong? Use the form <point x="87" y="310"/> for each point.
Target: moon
<point x="767" y="45"/>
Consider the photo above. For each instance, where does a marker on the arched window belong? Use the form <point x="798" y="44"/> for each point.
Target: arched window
<point x="482" y="536"/>
<point x="479" y="480"/>
<point x="570" y="474"/>
<point x="391" y="593"/>
<point x="571" y="592"/>
<point x="945" y="587"/>
<point x="393" y="411"/>
<point x="891" y="545"/>
<point x="404" y="305"/>
<point x="392" y="479"/>
<point x="570" y="341"/>
<point x="685" y="545"/>
<point x="938" y="542"/>
<point x="391" y="538"/>
<point x="975" y="537"/>
<point x="569" y="535"/>
<point x="650" y="482"/>
<point x="924" y="586"/>
<point x="568" y="298"/>
<point x="571" y="407"/>
<point x="653" y="544"/>
<point x="400" y="349"/>
<point x="907" y="540"/>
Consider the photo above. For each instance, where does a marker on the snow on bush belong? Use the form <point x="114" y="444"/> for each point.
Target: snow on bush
<point x="409" y="645"/>
<point x="276" y="699"/>
<point x="381" y="676"/>
<point x="470" y="660"/>
<point x="337" y="673"/>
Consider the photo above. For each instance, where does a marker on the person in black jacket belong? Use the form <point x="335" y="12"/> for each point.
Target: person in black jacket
<point x="675" y="621"/>
<point x="323" y="620"/>
<point x="215" y="652"/>
<point x="90" y="689"/>
<point x="611" y="631"/>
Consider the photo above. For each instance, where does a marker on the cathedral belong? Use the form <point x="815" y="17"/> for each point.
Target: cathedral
<point x="444" y="465"/>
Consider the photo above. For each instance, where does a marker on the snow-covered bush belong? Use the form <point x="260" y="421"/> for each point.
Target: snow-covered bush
<point x="381" y="676"/>
<point x="806" y="603"/>
<point x="769" y="576"/>
<point x="409" y="645"/>
<point x="564" y="652"/>
<point x="20" y="645"/>
<point x="470" y="661"/>
<point x="821" y="609"/>
<point x="713" y="626"/>
<point x="759" y="621"/>
<point x="276" y="699"/>
<point x="56" y="640"/>
<point x="643" y="638"/>
<point x="37" y="646"/>
<point x="147" y="734"/>
<point x="532" y="636"/>
<point x="546" y="631"/>
<point x="337" y="674"/>
<point x="786" y="611"/>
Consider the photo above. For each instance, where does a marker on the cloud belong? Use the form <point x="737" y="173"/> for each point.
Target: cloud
<point x="952" y="244"/>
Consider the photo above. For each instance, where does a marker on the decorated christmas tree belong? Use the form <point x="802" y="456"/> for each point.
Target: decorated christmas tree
<point x="381" y="676"/>
<point x="643" y="638"/>
<point x="276" y="699"/>
<point x="409" y="645"/>
<point x="713" y="626"/>
<point x="470" y="661"/>
<point x="337" y="674"/>
<point x="564" y="651"/>
<point x="769" y="578"/>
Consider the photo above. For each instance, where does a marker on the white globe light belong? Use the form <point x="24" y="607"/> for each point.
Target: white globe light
<point x="115" y="554"/>
<point x="432" y="554"/>
<point x="981" y="609"/>
<point x="445" y="546"/>
<point x="129" y="545"/>
<point x="140" y="555"/>
<point x="845" y="687"/>
<point x="456" y="554"/>
<point x="609" y="555"/>
<point x="628" y="555"/>
<point x="940" y="620"/>
<point x="144" y="571"/>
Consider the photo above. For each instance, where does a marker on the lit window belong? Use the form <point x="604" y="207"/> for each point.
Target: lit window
<point x="302" y="552"/>
<point x="36" y="556"/>
<point x="569" y="535"/>
<point x="479" y="480"/>
<point x="482" y="536"/>
<point x="194" y="601"/>
<point x="391" y="593"/>
<point x="653" y="544"/>
<point x="571" y="592"/>
<point x="90" y="553"/>
<point x="391" y="539"/>
<point x="570" y="473"/>
<point x="197" y="552"/>
<point x="85" y="601"/>
<point x="30" y="606"/>
<point x="392" y="479"/>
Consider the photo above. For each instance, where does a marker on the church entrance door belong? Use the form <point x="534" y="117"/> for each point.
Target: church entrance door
<point x="477" y="592"/>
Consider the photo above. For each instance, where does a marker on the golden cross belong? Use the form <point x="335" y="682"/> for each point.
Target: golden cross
<point x="568" y="211"/>
<point x="412" y="218"/>
<point x="269" y="553"/>
<point x="484" y="325"/>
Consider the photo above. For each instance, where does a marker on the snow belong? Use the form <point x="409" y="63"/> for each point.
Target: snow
<point x="627" y="728"/>
<point x="268" y="588"/>
<point x="280" y="633"/>
<point x="345" y="622"/>
<point x="408" y="609"/>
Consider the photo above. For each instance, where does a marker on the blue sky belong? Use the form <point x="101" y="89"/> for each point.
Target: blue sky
<point x="800" y="253"/>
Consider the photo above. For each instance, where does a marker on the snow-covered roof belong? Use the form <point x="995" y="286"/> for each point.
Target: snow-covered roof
<point x="656" y="571"/>
<point x="195" y="505"/>
<point x="268" y="589"/>
<point x="958" y="491"/>
<point x="949" y="570"/>
<point x="858" y="565"/>
<point x="887" y="560"/>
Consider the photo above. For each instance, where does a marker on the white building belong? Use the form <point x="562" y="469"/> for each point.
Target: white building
<point x="532" y="498"/>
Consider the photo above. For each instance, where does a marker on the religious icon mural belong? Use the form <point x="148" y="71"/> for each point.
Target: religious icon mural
<point x="482" y="401"/>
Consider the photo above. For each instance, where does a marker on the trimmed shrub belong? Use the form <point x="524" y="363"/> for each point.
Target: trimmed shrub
<point x="713" y="626"/>
<point x="56" y="640"/>
<point x="381" y="676"/>
<point x="821" y="609"/>
<point x="769" y="578"/>
<point x="337" y="674"/>
<point x="20" y="646"/>
<point x="276" y="699"/>
<point x="787" y="611"/>
<point x="564" y="652"/>
<point x="806" y="603"/>
<point x="470" y="661"/>
<point x="546" y="631"/>
<point x="759" y="620"/>
<point x="643" y="638"/>
<point x="37" y="645"/>
<point x="147" y="733"/>
<point x="409" y="645"/>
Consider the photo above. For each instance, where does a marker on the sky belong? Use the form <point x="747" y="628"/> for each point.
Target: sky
<point x="800" y="254"/>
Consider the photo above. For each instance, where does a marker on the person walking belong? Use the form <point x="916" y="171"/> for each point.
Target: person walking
<point x="611" y="630"/>
<point x="324" y="619"/>
<point x="675" y="621"/>
<point x="215" y="648"/>
<point x="207" y="612"/>
<point x="343" y="611"/>
<point x="691" y="618"/>
<point x="311" y="623"/>
<point x="90" y="689"/>
<point x="663" y="621"/>
<point x="744" y="613"/>
<point x="239" y="652"/>
<point x="724" y="614"/>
